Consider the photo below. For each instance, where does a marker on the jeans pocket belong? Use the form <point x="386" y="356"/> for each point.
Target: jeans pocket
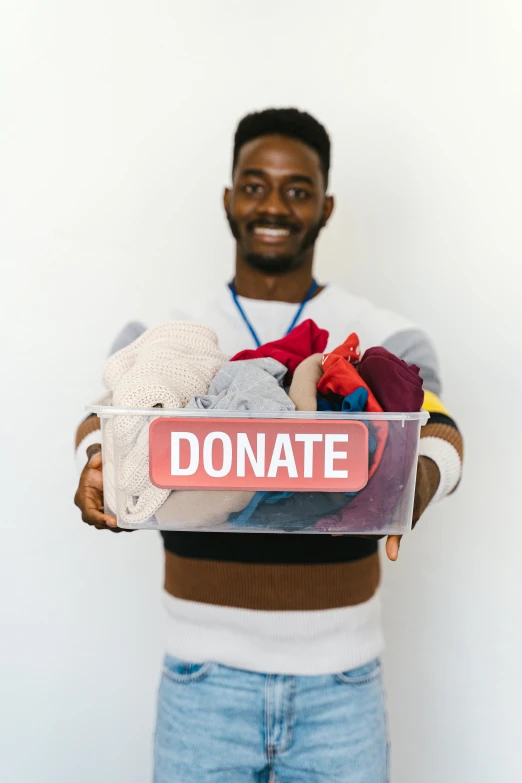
<point x="361" y="675"/>
<point x="185" y="672"/>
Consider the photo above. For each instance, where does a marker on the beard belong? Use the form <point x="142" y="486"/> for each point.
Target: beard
<point x="281" y="264"/>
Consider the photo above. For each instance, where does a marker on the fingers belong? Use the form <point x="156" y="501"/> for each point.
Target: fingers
<point x="393" y="544"/>
<point x="89" y="496"/>
<point x="93" y="514"/>
<point x="98" y="518"/>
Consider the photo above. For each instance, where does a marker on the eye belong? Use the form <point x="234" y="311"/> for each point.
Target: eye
<point x="253" y="189"/>
<point x="300" y="194"/>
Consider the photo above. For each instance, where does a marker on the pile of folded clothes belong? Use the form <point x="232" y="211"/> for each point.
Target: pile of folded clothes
<point x="179" y="365"/>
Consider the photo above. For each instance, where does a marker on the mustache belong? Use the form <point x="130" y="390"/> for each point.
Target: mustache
<point x="273" y="223"/>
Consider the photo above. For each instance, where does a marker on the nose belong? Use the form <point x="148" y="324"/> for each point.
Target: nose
<point x="274" y="204"/>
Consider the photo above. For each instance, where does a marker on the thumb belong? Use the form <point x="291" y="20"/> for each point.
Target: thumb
<point x="96" y="461"/>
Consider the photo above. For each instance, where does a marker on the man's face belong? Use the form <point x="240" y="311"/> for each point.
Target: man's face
<point x="277" y="204"/>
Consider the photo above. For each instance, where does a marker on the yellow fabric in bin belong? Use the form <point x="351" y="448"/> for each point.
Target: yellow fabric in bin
<point x="432" y="404"/>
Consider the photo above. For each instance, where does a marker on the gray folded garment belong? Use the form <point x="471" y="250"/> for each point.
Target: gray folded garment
<point x="246" y="385"/>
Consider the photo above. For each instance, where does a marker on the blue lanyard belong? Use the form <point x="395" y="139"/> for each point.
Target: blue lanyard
<point x="311" y="291"/>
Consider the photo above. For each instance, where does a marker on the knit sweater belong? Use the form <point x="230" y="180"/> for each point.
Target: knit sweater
<point x="283" y="603"/>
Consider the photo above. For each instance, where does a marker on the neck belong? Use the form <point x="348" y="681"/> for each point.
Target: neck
<point x="291" y="287"/>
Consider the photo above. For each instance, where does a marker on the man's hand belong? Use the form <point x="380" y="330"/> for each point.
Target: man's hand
<point x="89" y="496"/>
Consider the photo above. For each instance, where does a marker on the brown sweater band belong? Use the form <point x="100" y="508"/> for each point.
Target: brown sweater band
<point x="272" y="586"/>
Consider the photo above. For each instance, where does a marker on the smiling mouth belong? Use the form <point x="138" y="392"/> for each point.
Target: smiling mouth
<point x="265" y="231"/>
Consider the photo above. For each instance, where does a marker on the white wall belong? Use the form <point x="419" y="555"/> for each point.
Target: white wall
<point x="116" y="128"/>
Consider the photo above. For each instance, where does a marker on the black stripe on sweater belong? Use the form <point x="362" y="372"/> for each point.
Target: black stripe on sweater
<point x="268" y="547"/>
<point x="441" y="418"/>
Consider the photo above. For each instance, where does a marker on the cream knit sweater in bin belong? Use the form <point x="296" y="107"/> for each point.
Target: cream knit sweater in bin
<point x="165" y="367"/>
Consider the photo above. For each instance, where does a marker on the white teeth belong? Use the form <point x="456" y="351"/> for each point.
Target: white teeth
<point x="271" y="232"/>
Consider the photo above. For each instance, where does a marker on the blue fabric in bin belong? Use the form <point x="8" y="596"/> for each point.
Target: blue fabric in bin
<point x="242" y="517"/>
<point x="352" y="403"/>
<point x="296" y="511"/>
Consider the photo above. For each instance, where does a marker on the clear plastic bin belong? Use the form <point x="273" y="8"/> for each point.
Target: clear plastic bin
<point x="246" y="472"/>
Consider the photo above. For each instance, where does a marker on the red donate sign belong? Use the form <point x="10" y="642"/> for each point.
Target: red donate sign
<point x="259" y="454"/>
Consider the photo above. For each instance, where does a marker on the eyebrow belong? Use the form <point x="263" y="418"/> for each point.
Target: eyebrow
<point x="292" y="177"/>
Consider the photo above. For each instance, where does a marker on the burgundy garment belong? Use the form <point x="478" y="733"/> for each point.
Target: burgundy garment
<point x="304" y="340"/>
<point x="396" y="385"/>
<point x="398" y="388"/>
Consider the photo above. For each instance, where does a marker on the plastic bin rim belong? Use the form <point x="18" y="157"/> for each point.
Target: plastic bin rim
<point x="108" y="411"/>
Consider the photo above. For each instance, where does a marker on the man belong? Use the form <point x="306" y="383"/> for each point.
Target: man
<point x="272" y="664"/>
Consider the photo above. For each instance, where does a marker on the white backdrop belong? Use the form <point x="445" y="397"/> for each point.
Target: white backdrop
<point x="116" y="126"/>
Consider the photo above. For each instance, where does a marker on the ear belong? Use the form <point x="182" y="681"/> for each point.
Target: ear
<point x="226" y="198"/>
<point x="329" y="203"/>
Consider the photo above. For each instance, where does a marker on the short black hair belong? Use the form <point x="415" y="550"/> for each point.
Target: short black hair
<point x="286" y="122"/>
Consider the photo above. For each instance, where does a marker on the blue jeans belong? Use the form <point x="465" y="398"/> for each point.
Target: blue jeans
<point x="221" y="725"/>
